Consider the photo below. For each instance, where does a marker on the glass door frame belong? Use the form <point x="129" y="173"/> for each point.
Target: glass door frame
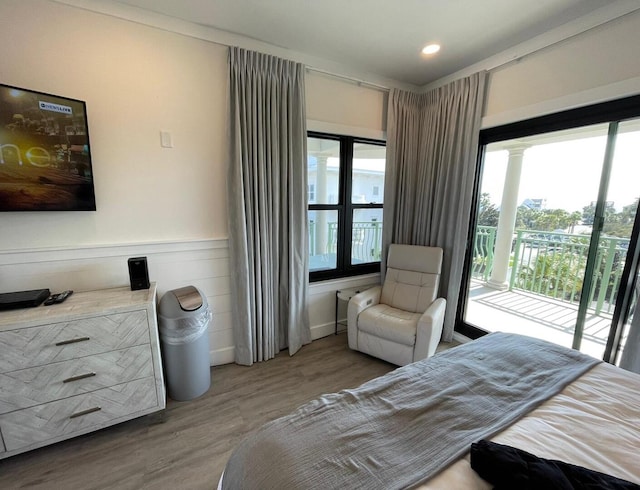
<point x="598" y="225"/>
<point x="624" y="300"/>
<point x="612" y="113"/>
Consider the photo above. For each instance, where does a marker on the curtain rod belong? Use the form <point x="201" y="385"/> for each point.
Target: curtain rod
<point x="356" y="81"/>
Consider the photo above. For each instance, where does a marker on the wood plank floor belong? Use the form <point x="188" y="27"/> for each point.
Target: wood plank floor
<point x="187" y="445"/>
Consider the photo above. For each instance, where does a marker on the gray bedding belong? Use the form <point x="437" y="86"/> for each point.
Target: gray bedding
<point x="399" y="430"/>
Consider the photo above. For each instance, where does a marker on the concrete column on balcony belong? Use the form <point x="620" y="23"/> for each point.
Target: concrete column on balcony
<point x="322" y="228"/>
<point x="507" y="219"/>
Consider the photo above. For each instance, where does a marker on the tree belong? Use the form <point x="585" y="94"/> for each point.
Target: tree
<point x="526" y="217"/>
<point x="545" y="219"/>
<point x="574" y="219"/>
<point x="558" y="275"/>
<point x="621" y="224"/>
<point x="589" y="212"/>
<point x="488" y="213"/>
<point x="615" y="224"/>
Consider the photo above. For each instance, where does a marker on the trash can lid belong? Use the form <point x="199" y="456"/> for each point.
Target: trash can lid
<point x="188" y="298"/>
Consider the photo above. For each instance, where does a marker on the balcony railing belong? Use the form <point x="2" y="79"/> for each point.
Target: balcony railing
<point x="366" y="240"/>
<point x="483" y="246"/>
<point x="553" y="265"/>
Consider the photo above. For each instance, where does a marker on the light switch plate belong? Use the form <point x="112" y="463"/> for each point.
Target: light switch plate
<point x="166" y="140"/>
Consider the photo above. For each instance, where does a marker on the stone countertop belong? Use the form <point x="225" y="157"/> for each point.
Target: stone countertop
<point x="80" y="304"/>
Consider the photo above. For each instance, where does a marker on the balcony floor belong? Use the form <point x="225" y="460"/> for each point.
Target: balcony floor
<point x="536" y="316"/>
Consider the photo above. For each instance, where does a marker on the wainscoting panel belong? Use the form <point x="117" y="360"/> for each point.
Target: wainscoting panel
<point x="200" y="263"/>
<point x="203" y="264"/>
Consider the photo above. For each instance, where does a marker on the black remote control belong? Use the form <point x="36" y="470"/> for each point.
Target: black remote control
<point x="58" y="298"/>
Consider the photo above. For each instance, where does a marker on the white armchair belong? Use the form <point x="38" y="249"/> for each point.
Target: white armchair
<point x="400" y="321"/>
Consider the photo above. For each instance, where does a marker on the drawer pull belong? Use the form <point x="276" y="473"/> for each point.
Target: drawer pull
<point x="79" y="377"/>
<point x="85" y="412"/>
<point x="73" y="341"/>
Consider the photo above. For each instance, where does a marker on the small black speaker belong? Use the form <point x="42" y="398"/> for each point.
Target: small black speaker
<point x="138" y="273"/>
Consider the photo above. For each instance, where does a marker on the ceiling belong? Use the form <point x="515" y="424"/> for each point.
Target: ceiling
<point x="384" y="38"/>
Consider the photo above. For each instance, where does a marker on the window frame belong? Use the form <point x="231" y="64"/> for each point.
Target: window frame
<point x="613" y="111"/>
<point x="345" y="209"/>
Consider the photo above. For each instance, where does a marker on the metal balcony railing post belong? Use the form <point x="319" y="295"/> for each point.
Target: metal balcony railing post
<point x="491" y="240"/>
<point x="516" y="259"/>
<point x="377" y="252"/>
<point x="312" y="237"/>
<point x="606" y="273"/>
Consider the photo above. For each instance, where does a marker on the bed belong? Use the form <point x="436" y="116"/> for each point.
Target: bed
<point x="413" y="427"/>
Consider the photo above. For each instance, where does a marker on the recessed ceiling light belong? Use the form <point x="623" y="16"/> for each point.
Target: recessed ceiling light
<point x="431" y="49"/>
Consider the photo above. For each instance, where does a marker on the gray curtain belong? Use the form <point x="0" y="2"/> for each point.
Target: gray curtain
<point x="267" y="198"/>
<point x="631" y="354"/>
<point x="432" y="144"/>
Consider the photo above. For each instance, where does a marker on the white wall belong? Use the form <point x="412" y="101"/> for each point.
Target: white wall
<point x="343" y="107"/>
<point x="136" y="81"/>
<point x="166" y="204"/>
<point x="598" y="65"/>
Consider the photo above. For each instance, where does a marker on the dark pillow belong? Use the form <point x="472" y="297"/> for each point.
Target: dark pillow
<point x="510" y="468"/>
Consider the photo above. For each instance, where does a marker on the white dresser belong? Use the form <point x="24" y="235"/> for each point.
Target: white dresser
<point x="78" y="366"/>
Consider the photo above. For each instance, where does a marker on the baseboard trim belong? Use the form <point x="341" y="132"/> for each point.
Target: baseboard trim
<point x="226" y="355"/>
<point x="323" y="330"/>
<point x="218" y="357"/>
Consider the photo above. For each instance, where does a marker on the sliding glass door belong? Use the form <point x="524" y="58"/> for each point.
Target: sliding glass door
<point x="552" y="233"/>
<point x="624" y="192"/>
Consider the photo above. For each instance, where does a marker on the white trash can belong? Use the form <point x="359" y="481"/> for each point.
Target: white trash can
<point x="183" y="321"/>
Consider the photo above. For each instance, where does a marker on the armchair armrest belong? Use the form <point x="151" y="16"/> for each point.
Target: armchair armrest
<point x="429" y="330"/>
<point x="357" y="305"/>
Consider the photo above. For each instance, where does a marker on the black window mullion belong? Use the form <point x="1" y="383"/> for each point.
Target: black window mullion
<point x="348" y="206"/>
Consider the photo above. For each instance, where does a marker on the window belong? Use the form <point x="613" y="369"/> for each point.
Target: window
<point x="345" y="216"/>
<point x="311" y="195"/>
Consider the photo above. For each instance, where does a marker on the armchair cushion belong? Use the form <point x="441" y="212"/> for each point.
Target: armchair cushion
<point x="390" y="323"/>
<point x="409" y="290"/>
<point x="413" y="277"/>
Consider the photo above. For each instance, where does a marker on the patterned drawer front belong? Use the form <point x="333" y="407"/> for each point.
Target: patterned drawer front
<point x="36" y="346"/>
<point x="78" y="413"/>
<point x="34" y="386"/>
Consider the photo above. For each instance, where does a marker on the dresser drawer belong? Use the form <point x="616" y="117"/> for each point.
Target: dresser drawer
<point x="33" y="386"/>
<point x="37" y="346"/>
<point x="77" y="414"/>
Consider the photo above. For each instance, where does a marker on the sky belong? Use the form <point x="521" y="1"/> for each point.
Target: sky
<point x="567" y="174"/>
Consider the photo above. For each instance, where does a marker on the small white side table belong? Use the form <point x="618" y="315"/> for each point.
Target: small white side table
<point x="345" y="295"/>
